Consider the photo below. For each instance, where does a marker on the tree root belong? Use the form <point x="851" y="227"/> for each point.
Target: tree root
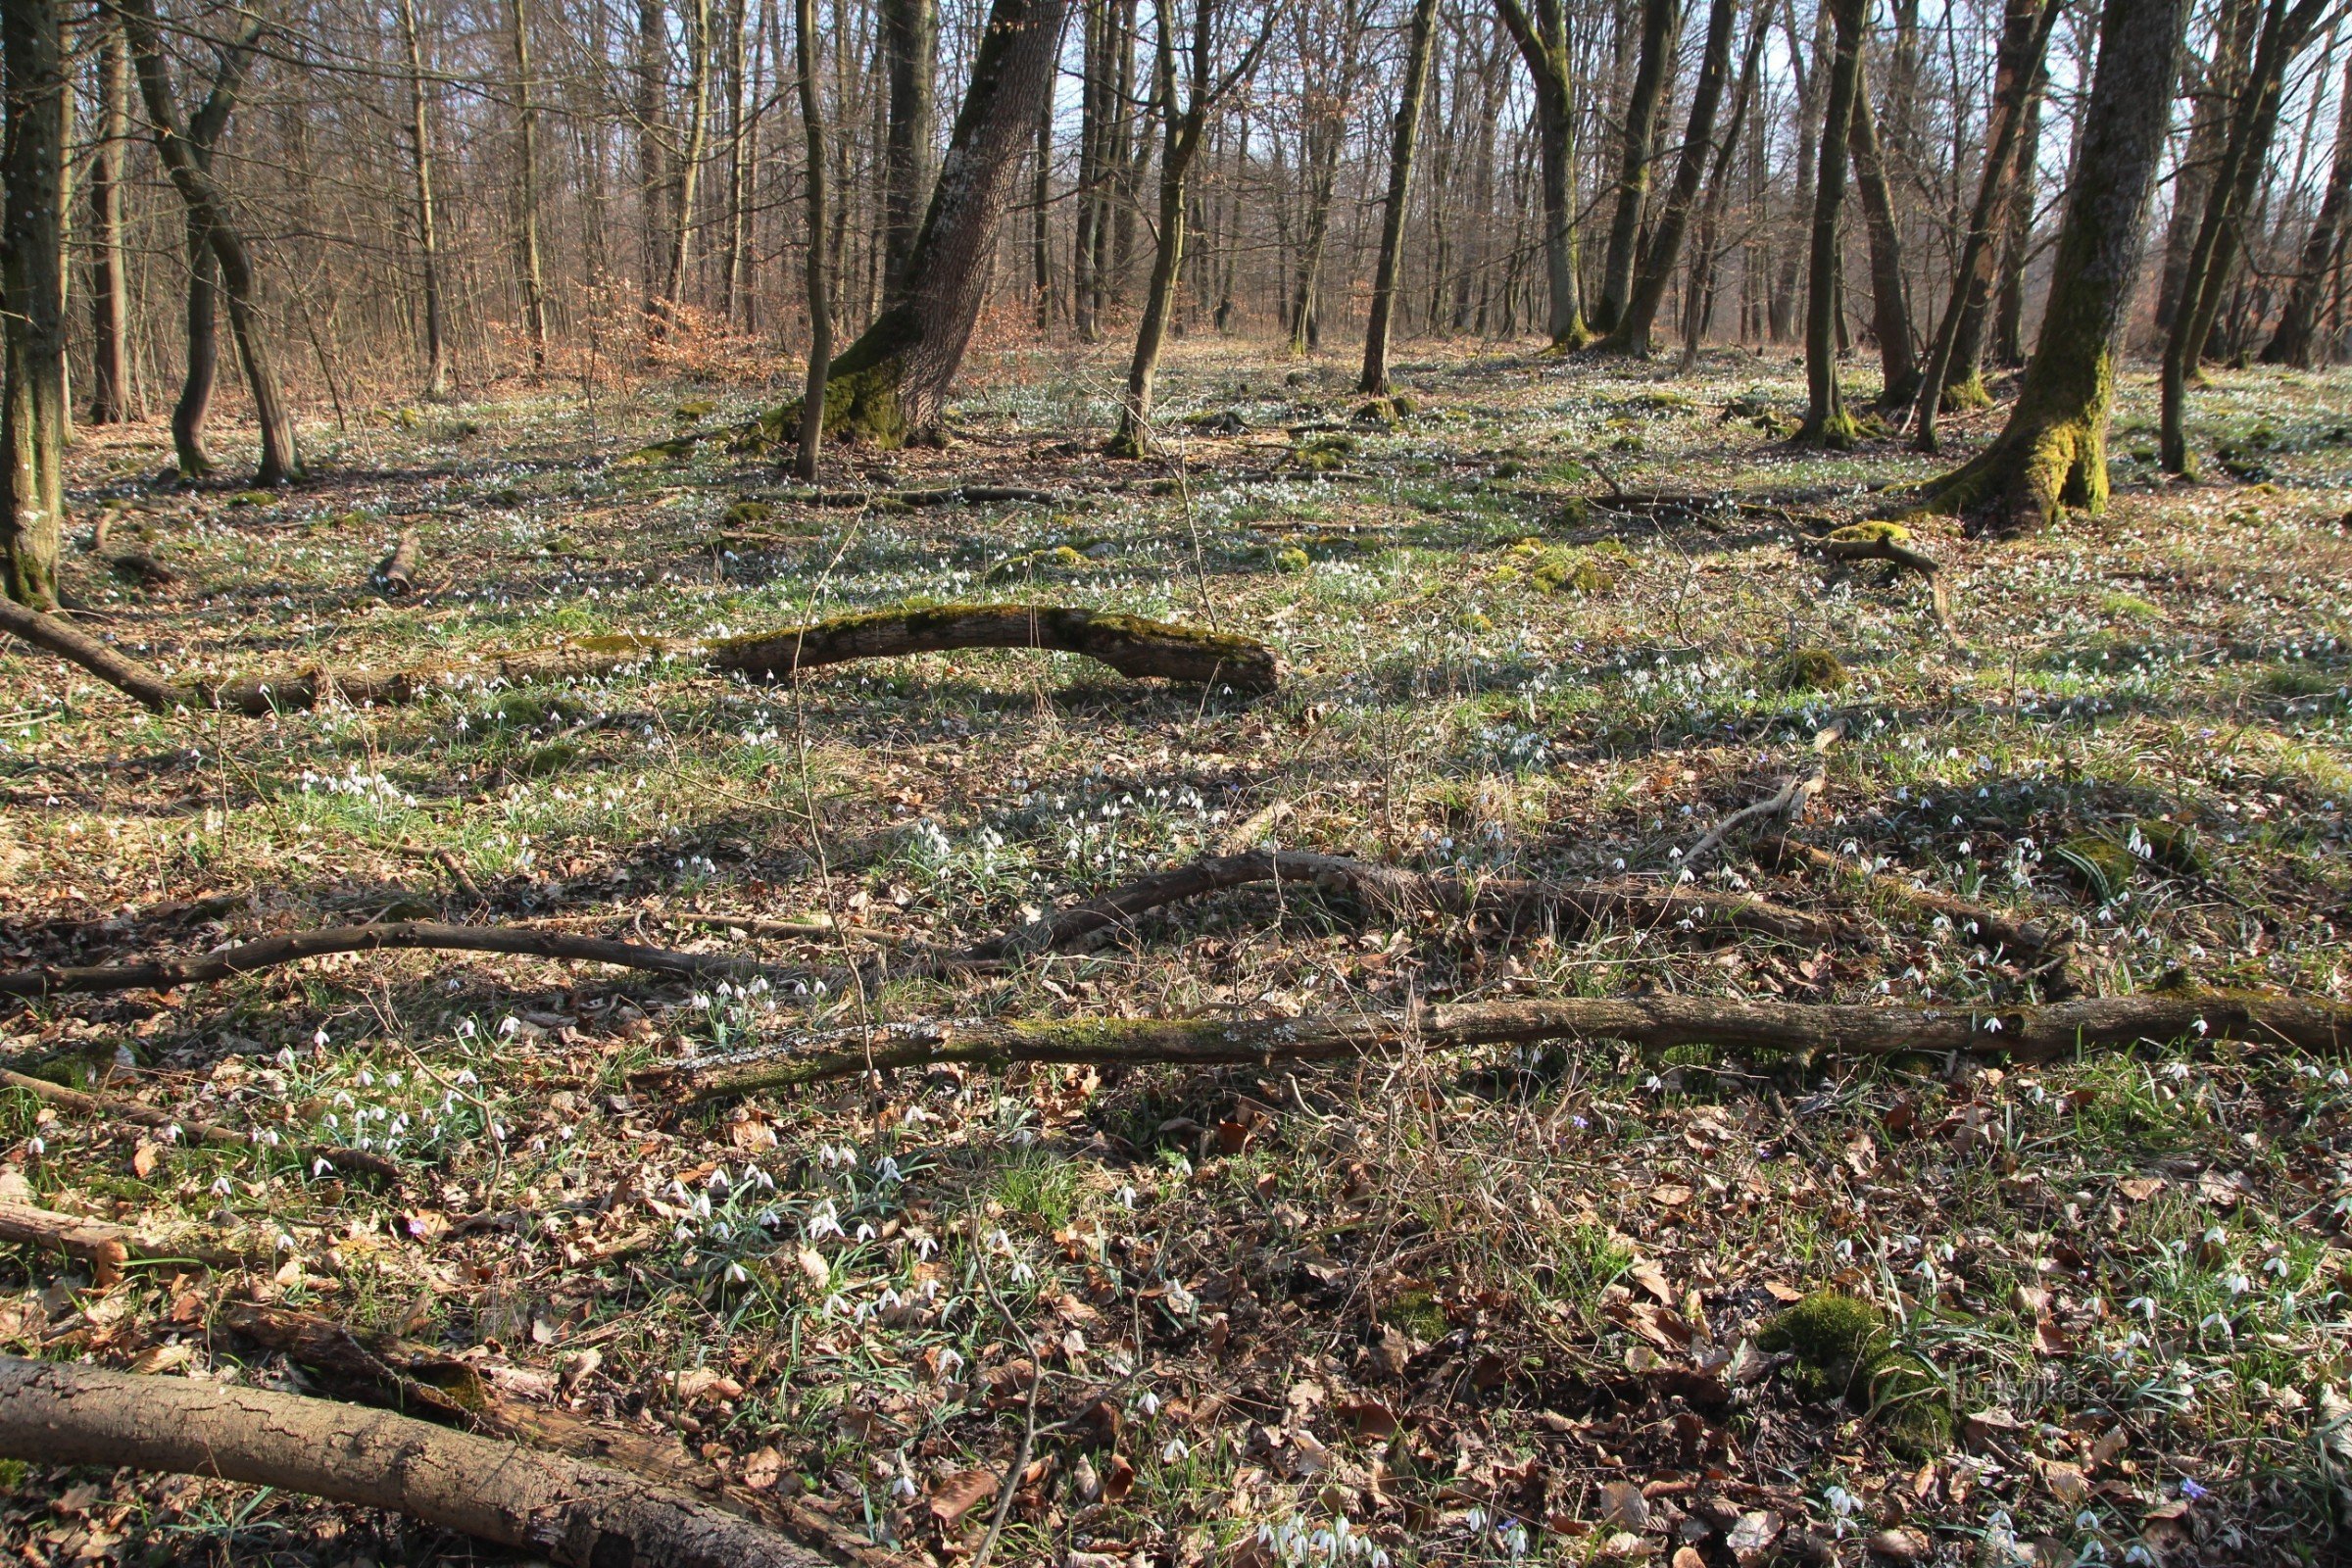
<point x="116" y="1109"/>
<point x="571" y="1511"/>
<point x="431" y="935"/>
<point x="2026" y="1034"/>
<point x="1129" y="644"/>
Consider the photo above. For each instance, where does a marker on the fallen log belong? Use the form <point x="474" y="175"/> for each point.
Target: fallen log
<point x="1133" y="645"/>
<point x="574" y="1512"/>
<point x="2028" y="939"/>
<point x="396" y="573"/>
<point x="268" y="953"/>
<point x="108" y="1247"/>
<point x="119" y="1109"/>
<point x="2026" y="1034"/>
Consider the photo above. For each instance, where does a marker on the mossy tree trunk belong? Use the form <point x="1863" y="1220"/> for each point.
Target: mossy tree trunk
<point x="2291" y="343"/>
<point x="1890" y="309"/>
<point x="1403" y="133"/>
<point x="1658" y="19"/>
<point x="2053" y="451"/>
<point x="1827" y="423"/>
<point x="208" y="207"/>
<point x="1632" y="333"/>
<point x="33" y="422"/>
<point x="1541" y="40"/>
<point x="2245" y="159"/>
<point x="820" y="301"/>
<point x="890" y="385"/>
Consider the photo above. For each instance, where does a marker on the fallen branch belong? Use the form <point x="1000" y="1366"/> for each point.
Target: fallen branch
<point x="974" y="495"/>
<point x="430" y="935"/>
<point x="2029" y="1034"/>
<point x="1788" y="801"/>
<point x="119" y="1109"/>
<point x="574" y="1512"/>
<point x="1129" y="644"/>
<point x="108" y="1246"/>
<point x="1890" y="542"/>
<point x="2029" y="938"/>
<point x="396" y="573"/>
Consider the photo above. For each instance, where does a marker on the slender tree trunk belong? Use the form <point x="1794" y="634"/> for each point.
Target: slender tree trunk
<point x="689" y="160"/>
<point x="1041" y="215"/>
<point x="1401" y="136"/>
<point x="110" y="280"/>
<point x="1093" y="112"/>
<point x="1182" y="141"/>
<point x="1890" y="311"/>
<point x="742" y="159"/>
<point x="1699" y="289"/>
<point x="1813" y="74"/>
<point x="2214" y="89"/>
<point x="193" y="409"/>
<point x="2016" y="236"/>
<point x="820" y="303"/>
<point x="891" y="383"/>
<point x="2322" y="251"/>
<point x="526" y="201"/>
<point x="652" y="182"/>
<point x="1632" y="333"/>
<point x="208" y="210"/>
<point x="1827" y="423"/>
<point x="2244" y="161"/>
<point x="428" y="241"/>
<point x="910" y="45"/>
<point x="2053" y="451"/>
<point x="32" y="335"/>
<point x="1543" y="43"/>
<point x="1632" y="168"/>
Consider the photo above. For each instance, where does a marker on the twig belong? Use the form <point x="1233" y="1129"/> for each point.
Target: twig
<point x="1789" y="801"/>
<point x="1020" y="1457"/>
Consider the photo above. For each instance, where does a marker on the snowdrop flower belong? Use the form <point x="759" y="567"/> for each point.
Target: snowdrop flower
<point x="1022" y="1273"/>
<point x="319" y="1039"/>
<point x="221" y="1187"/>
<point x="1475" y="1521"/>
<point x="889" y="1170"/>
<point x="321" y="1168"/>
<point x="902" y="1489"/>
<point x="285" y="1057"/>
<point x="2142" y="1305"/>
<point x="1149" y="1404"/>
<point x="1127" y="1196"/>
<point x="834" y="1305"/>
<point x="510" y="1025"/>
<point x="926" y="1247"/>
<point x="465" y="1028"/>
<point x="285" y="1243"/>
<point x="171" y="1134"/>
<point x="2200" y="1026"/>
<point x="2237" y="1284"/>
<point x="736" y="1275"/>
<point x="1175" y="1452"/>
<point x="1992" y="1026"/>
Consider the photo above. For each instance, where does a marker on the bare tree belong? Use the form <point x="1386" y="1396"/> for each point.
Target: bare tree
<point x="109" y="281"/>
<point x="1827" y="423"/>
<point x="1402" y="134"/>
<point x="32" y="335"/>
<point x="428" y="236"/>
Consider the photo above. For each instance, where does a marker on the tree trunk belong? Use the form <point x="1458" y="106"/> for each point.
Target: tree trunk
<point x="2213" y="89"/>
<point x="526" y="205"/>
<point x="653" y="183"/>
<point x="1633" y="166"/>
<point x="1632" y="333"/>
<point x="1543" y="43"/>
<point x="2016" y="229"/>
<point x="1085" y="250"/>
<point x="429" y="239"/>
<point x="821" y="304"/>
<point x="1133" y="438"/>
<point x="1401" y="135"/>
<point x="1827" y="423"/>
<point x="911" y="46"/>
<point x="32" y="379"/>
<point x="2323" y="249"/>
<point x="1890" y="309"/>
<point x="110" y="278"/>
<point x="194" y="409"/>
<point x="689" y="160"/>
<point x="1700" y="288"/>
<point x="2053" y="451"/>
<point x="1811" y="78"/>
<point x="1041" y="215"/>
<point x="2244" y="162"/>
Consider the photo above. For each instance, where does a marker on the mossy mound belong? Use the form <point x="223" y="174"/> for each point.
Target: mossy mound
<point x="744" y="513"/>
<point x="1842" y="1352"/>
<point x="1871" y="533"/>
<point x="1059" y="558"/>
<point x="2106" y="862"/>
<point x="1291" y="560"/>
<point x="1804" y="669"/>
<point x="1555" y="568"/>
<point x="1324" y="453"/>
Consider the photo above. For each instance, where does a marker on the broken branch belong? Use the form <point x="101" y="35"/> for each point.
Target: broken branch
<point x="118" y="1108"/>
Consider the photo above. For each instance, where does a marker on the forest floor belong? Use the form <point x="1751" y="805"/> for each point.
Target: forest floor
<point x="1479" y="1307"/>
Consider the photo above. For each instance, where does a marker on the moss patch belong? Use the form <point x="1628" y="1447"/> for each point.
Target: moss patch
<point x="1804" y="669"/>
<point x="1843" y="1351"/>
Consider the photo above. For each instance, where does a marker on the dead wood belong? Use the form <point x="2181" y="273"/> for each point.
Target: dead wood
<point x="1786" y="803"/>
<point x="2027" y="1034"/>
<point x="396" y="573"/>
<point x="432" y="935"/>
<point x="118" y="1108"/>
<point x="573" y="1511"/>
<point x="1129" y="644"/>
<point x="108" y="1246"/>
<point x="1882" y="542"/>
<point x="972" y="495"/>
<point x="2028" y="939"/>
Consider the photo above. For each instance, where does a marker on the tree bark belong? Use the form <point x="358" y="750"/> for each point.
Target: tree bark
<point x="1403" y="133"/>
<point x="32" y="337"/>
<point x="688" y="178"/>
<point x="574" y="1512"/>
<point x="1699" y="289"/>
<point x="910" y="45"/>
<point x="2017" y="228"/>
<point x="1632" y="333"/>
<point x="890" y="385"/>
<point x="1890" y="309"/>
<point x="428" y="230"/>
<point x="110" y="278"/>
<point x="2212" y="90"/>
<point x="2322" y="251"/>
<point x="1632" y="162"/>
<point x="208" y="207"/>
<point x="1827" y="423"/>
<point x="1543" y="43"/>
<point x="2053" y="451"/>
<point x="192" y="410"/>
<point x="814" y="391"/>
<point x="527" y="203"/>
<point x="1812" y="79"/>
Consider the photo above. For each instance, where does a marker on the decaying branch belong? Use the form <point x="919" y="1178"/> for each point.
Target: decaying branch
<point x="1787" y="802"/>
<point x="1129" y="644"/>
<point x="116" y="1107"/>
<point x="574" y="1512"/>
<point x="433" y="935"/>
<point x="2029" y="1034"/>
<point x="396" y="573"/>
<point x="1890" y="542"/>
<point x="108" y="1247"/>
<point x="2028" y="939"/>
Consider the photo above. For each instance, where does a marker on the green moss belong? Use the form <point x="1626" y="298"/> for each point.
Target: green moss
<point x="1966" y="394"/>
<point x="2106" y="862"/>
<point x="2130" y="606"/>
<point x="1843" y="1351"/>
<point x="1291" y="560"/>
<point x="1804" y="669"/>
<point x="695" y="408"/>
<point x="546" y="761"/>
<point x="743" y="513"/>
<point x="1871" y="533"/>
<point x="1418" y="1313"/>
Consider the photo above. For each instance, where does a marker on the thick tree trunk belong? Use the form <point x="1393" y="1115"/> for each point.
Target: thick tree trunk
<point x="1542" y="44"/>
<point x="814" y="391"/>
<point x="1699" y="289"/>
<point x="2053" y="451"/>
<point x="182" y="154"/>
<point x="110" y="278"/>
<point x="429" y="231"/>
<point x="526" y="200"/>
<point x="1890" y="309"/>
<point x="911" y="46"/>
<point x="2322" y="252"/>
<point x="1632" y="333"/>
<point x="1827" y="423"/>
<point x="1633" y="165"/>
<point x="33" y="378"/>
<point x="890" y="385"/>
<point x="2245" y="162"/>
<point x="1403" y="133"/>
<point x="574" y="1512"/>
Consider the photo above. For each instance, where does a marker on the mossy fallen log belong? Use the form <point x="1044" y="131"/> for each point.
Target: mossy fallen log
<point x="1131" y="645"/>
<point x="2026" y="1034"/>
